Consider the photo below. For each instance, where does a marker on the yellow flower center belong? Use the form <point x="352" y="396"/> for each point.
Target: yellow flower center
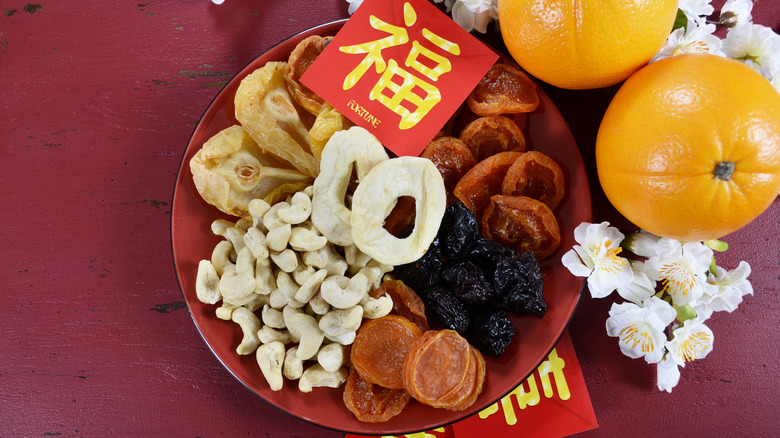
<point x="632" y="336"/>
<point x="608" y="257"/>
<point x="691" y="348"/>
<point x="677" y="279"/>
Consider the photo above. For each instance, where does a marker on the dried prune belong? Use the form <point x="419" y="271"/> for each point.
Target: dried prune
<point x="459" y="229"/>
<point x="491" y="331"/>
<point x="519" y="284"/>
<point x="467" y="282"/>
<point x="424" y="272"/>
<point x="485" y="253"/>
<point x="450" y="312"/>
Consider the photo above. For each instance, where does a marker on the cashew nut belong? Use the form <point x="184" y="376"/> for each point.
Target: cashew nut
<point x="207" y="283"/>
<point x="304" y="239"/>
<point x="271" y="218"/>
<point x="306" y="332"/>
<point x="376" y="196"/>
<point x="257" y="209"/>
<point x="289" y="288"/>
<point x="310" y="287"/>
<point x="220" y="256"/>
<point x="272" y="317"/>
<point x="227" y="229"/>
<point x="286" y="260"/>
<point x="298" y="211"/>
<point x="376" y="307"/>
<point x="355" y="146"/>
<point x="317" y="376"/>
<point x="265" y="281"/>
<point x="245" y="262"/>
<point x="277" y="237"/>
<point x="269" y="334"/>
<point x="333" y="356"/>
<point x="339" y="322"/>
<point x="302" y="272"/>
<point x="225" y="311"/>
<point x="236" y="288"/>
<point x="257" y="301"/>
<point x="254" y="239"/>
<point x="250" y="324"/>
<point x="293" y="366"/>
<point x="270" y="358"/>
<point x="343" y="294"/>
<point x="318" y="305"/>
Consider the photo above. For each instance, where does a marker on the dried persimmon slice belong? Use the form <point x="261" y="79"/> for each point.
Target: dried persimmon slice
<point x="523" y="224"/>
<point x="452" y="157"/>
<point x="304" y="54"/>
<point x="380" y="349"/>
<point x="436" y="367"/>
<point x="372" y="403"/>
<point x="537" y="176"/>
<point x="490" y="135"/>
<point x="405" y="302"/>
<point x="503" y="90"/>
<point x="484" y="180"/>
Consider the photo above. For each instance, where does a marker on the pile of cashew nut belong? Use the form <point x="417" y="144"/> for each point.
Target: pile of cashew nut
<point x="301" y="264"/>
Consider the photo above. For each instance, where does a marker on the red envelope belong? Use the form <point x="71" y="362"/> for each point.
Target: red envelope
<point x="553" y="402"/>
<point x="400" y="69"/>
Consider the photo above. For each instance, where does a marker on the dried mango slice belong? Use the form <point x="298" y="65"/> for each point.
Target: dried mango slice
<point x="436" y="367"/>
<point x="523" y="224"/>
<point x="265" y="109"/>
<point x="300" y="59"/>
<point x="406" y="303"/>
<point x="230" y="170"/>
<point x="537" y="176"/>
<point x="484" y="180"/>
<point x="503" y="90"/>
<point x="380" y="348"/>
<point x="490" y="135"/>
<point x="328" y="122"/>
<point x="453" y="159"/>
<point x="372" y="403"/>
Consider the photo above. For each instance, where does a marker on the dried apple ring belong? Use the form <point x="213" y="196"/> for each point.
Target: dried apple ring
<point x="484" y="180"/>
<point x="355" y="147"/>
<point x="375" y="197"/>
<point x="380" y="348"/>
<point x="537" y="176"/>
<point x="503" y="90"/>
<point x="405" y="302"/>
<point x="299" y="61"/>
<point x="372" y="403"/>
<point x="521" y="223"/>
<point x="452" y="157"/>
<point x="490" y="135"/>
<point x="436" y="367"/>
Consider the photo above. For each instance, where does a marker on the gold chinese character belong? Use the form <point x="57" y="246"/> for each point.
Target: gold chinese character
<point x="373" y="50"/>
<point x="420" y="434"/>
<point x="442" y="64"/>
<point x="405" y="92"/>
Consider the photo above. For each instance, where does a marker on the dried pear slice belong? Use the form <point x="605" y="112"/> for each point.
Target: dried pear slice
<point x="265" y="109"/>
<point x="299" y="61"/>
<point x="230" y="170"/>
<point x="327" y="123"/>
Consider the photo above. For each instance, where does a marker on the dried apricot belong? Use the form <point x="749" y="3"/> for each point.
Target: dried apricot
<point x="299" y="61"/>
<point x="537" y="176"/>
<point x="380" y="349"/>
<point x="436" y="370"/>
<point x="405" y="302"/>
<point x="401" y="217"/>
<point x="490" y="135"/>
<point x="503" y="90"/>
<point x="372" y="403"/>
<point x="452" y="157"/>
<point x="484" y="180"/>
<point x="521" y="223"/>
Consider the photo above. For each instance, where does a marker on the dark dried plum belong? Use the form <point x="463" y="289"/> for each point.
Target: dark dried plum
<point x="423" y="273"/>
<point x="459" y="229"/>
<point x="519" y="285"/>
<point x="467" y="282"/>
<point x="485" y="253"/>
<point x="491" y="332"/>
<point x="450" y="312"/>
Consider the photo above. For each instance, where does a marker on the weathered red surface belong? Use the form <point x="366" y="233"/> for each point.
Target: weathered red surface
<point x="98" y="101"/>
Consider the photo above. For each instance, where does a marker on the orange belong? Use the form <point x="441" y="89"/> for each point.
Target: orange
<point x="587" y="43"/>
<point x="689" y="147"/>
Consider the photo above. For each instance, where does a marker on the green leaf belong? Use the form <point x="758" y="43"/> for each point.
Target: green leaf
<point x="685" y="313"/>
<point x="681" y="21"/>
<point x="716" y="245"/>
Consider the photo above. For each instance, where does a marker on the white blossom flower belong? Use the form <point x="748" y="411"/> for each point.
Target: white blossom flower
<point x="447" y="4"/>
<point x="642" y="243"/>
<point x="736" y="12"/>
<point x="472" y="14"/>
<point x="640" y="329"/>
<point x="757" y="46"/>
<point x="692" y="340"/>
<point x="681" y="268"/>
<point x="668" y="374"/>
<point x="640" y="288"/>
<point x="696" y="10"/>
<point x="597" y="258"/>
<point x="353" y="5"/>
<point x="731" y="287"/>
<point x="693" y="39"/>
<point x="217" y="2"/>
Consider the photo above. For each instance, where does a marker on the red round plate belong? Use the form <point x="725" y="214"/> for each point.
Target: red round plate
<point x="192" y="241"/>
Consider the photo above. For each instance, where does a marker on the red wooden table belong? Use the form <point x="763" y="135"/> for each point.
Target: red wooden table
<point x="98" y="101"/>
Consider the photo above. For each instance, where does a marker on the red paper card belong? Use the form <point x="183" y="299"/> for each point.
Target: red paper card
<point x="553" y="402"/>
<point x="400" y="69"/>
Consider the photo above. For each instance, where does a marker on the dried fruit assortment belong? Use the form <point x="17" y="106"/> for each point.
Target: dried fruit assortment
<point x="329" y="292"/>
